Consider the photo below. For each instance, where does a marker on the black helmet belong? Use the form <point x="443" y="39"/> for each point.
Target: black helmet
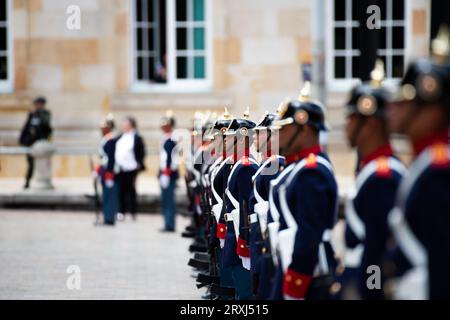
<point x="40" y="100"/>
<point x="369" y="98"/>
<point x="302" y="111"/>
<point x="108" y="122"/>
<point x="168" y="119"/>
<point x="241" y="126"/>
<point x="428" y="80"/>
<point x="266" y="122"/>
<point x="220" y="125"/>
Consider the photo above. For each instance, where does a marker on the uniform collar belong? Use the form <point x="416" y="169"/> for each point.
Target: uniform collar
<point x="303" y="154"/>
<point x="383" y="151"/>
<point x="246" y="155"/>
<point x="437" y="137"/>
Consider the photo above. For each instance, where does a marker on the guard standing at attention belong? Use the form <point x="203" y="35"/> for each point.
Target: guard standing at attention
<point x="378" y="176"/>
<point x="110" y="189"/>
<point x="307" y="202"/>
<point x="420" y="219"/>
<point x="168" y="172"/>
<point x="236" y="253"/>
<point x="261" y="262"/>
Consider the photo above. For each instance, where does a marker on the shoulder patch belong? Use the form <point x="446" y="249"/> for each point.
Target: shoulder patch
<point x="383" y="169"/>
<point x="311" y="161"/>
<point x="439" y="155"/>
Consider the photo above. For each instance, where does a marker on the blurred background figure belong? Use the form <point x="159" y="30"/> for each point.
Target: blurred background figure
<point x="129" y="161"/>
<point x="105" y="171"/>
<point x="168" y="172"/>
<point x="37" y="127"/>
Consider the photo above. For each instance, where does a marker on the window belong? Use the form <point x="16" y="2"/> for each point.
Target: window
<point x="5" y="47"/>
<point x="171" y="46"/>
<point x="343" y="39"/>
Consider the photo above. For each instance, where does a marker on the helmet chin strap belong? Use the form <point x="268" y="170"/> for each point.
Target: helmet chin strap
<point x="266" y="143"/>
<point x="299" y="129"/>
<point x="409" y="118"/>
<point x="359" y="125"/>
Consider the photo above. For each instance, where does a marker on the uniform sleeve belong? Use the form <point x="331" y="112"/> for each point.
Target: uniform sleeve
<point x="25" y="133"/>
<point x="222" y="177"/>
<point x="377" y="201"/>
<point x="309" y="202"/>
<point x="46" y="127"/>
<point x="244" y="191"/>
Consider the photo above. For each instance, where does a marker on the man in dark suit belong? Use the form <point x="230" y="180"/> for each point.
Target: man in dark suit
<point x="129" y="161"/>
<point x="37" y="127"/>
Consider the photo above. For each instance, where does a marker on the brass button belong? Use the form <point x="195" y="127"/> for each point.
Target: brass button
<point x="263" y="250"/>
<point x="288" y="278"/>
<point x="221" y="229"/>
<point x="242" y="246"/>
<point x="298" y="282"/>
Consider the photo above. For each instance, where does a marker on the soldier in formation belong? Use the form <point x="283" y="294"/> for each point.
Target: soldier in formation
<point x="265" y="198"/>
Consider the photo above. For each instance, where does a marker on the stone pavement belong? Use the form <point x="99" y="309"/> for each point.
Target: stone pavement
<point x="129" y="261"/>
<point x="71" y="192"/>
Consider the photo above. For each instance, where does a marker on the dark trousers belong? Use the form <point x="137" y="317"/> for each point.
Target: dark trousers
<point x="127" y="192"/>
<point x="30" y="169"/>
<point x="110" y="201"/>
<point x="168" y="205"/>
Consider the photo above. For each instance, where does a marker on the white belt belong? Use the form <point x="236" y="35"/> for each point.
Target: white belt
<point x="253" y="218"/>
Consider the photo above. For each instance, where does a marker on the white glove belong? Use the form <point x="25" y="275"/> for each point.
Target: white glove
<point x="288" y="297"/>
<point x="222" y="243"/>
<point x="164" y="181"/>
<point x="246" y="262"/>
<point x="109" y="183"/>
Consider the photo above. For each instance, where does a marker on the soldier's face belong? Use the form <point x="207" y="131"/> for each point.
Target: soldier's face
<point x="350" y="129"/>
<point x="398" y="114"/>
<point x="261" y="140"/>
<point x="286" y="133"/>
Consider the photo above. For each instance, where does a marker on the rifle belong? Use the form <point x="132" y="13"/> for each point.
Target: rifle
<point x="96" y="196"/>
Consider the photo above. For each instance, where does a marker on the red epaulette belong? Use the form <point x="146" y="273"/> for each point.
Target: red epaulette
<point x="311" y="161"/>
<point x="383" y="169"/>
<point x="245" y="161"/>
<point x="439" y="155"/>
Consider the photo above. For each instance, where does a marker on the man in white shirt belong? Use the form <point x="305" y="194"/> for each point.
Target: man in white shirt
<point x="129" y="160"/>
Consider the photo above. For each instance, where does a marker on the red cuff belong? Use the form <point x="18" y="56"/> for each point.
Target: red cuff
<point x="109" y="175"/>
<point x="221" y="230"/>
<point x="242" y="248"/>
<point x="296" y="284"/>
<point x="167" y="172"/>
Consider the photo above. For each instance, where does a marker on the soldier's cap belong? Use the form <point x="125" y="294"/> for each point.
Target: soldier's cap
<point x="108" y="122"/>
<point x="369" y="98"/>
<point x="197" y="123"/>
<point x="266" y="121"/>
<point x="241" y="126"/>
<point x="221" y="125"/>
<point x="301" y="111"/>
<point x="39" y="99"/>
<point x="168" y="119"/>
<point x="428" y="80"/>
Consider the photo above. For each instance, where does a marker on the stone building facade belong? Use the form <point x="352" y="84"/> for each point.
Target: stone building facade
<point x="238" y="53"/>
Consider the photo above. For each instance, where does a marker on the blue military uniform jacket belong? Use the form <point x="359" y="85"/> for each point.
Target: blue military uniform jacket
<point x="308" y="201"/>
<point x="238" y="192"/>
<point x="420" y="223"/>
<point x="366" y="214"/>
<point x="260" y="195"/>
